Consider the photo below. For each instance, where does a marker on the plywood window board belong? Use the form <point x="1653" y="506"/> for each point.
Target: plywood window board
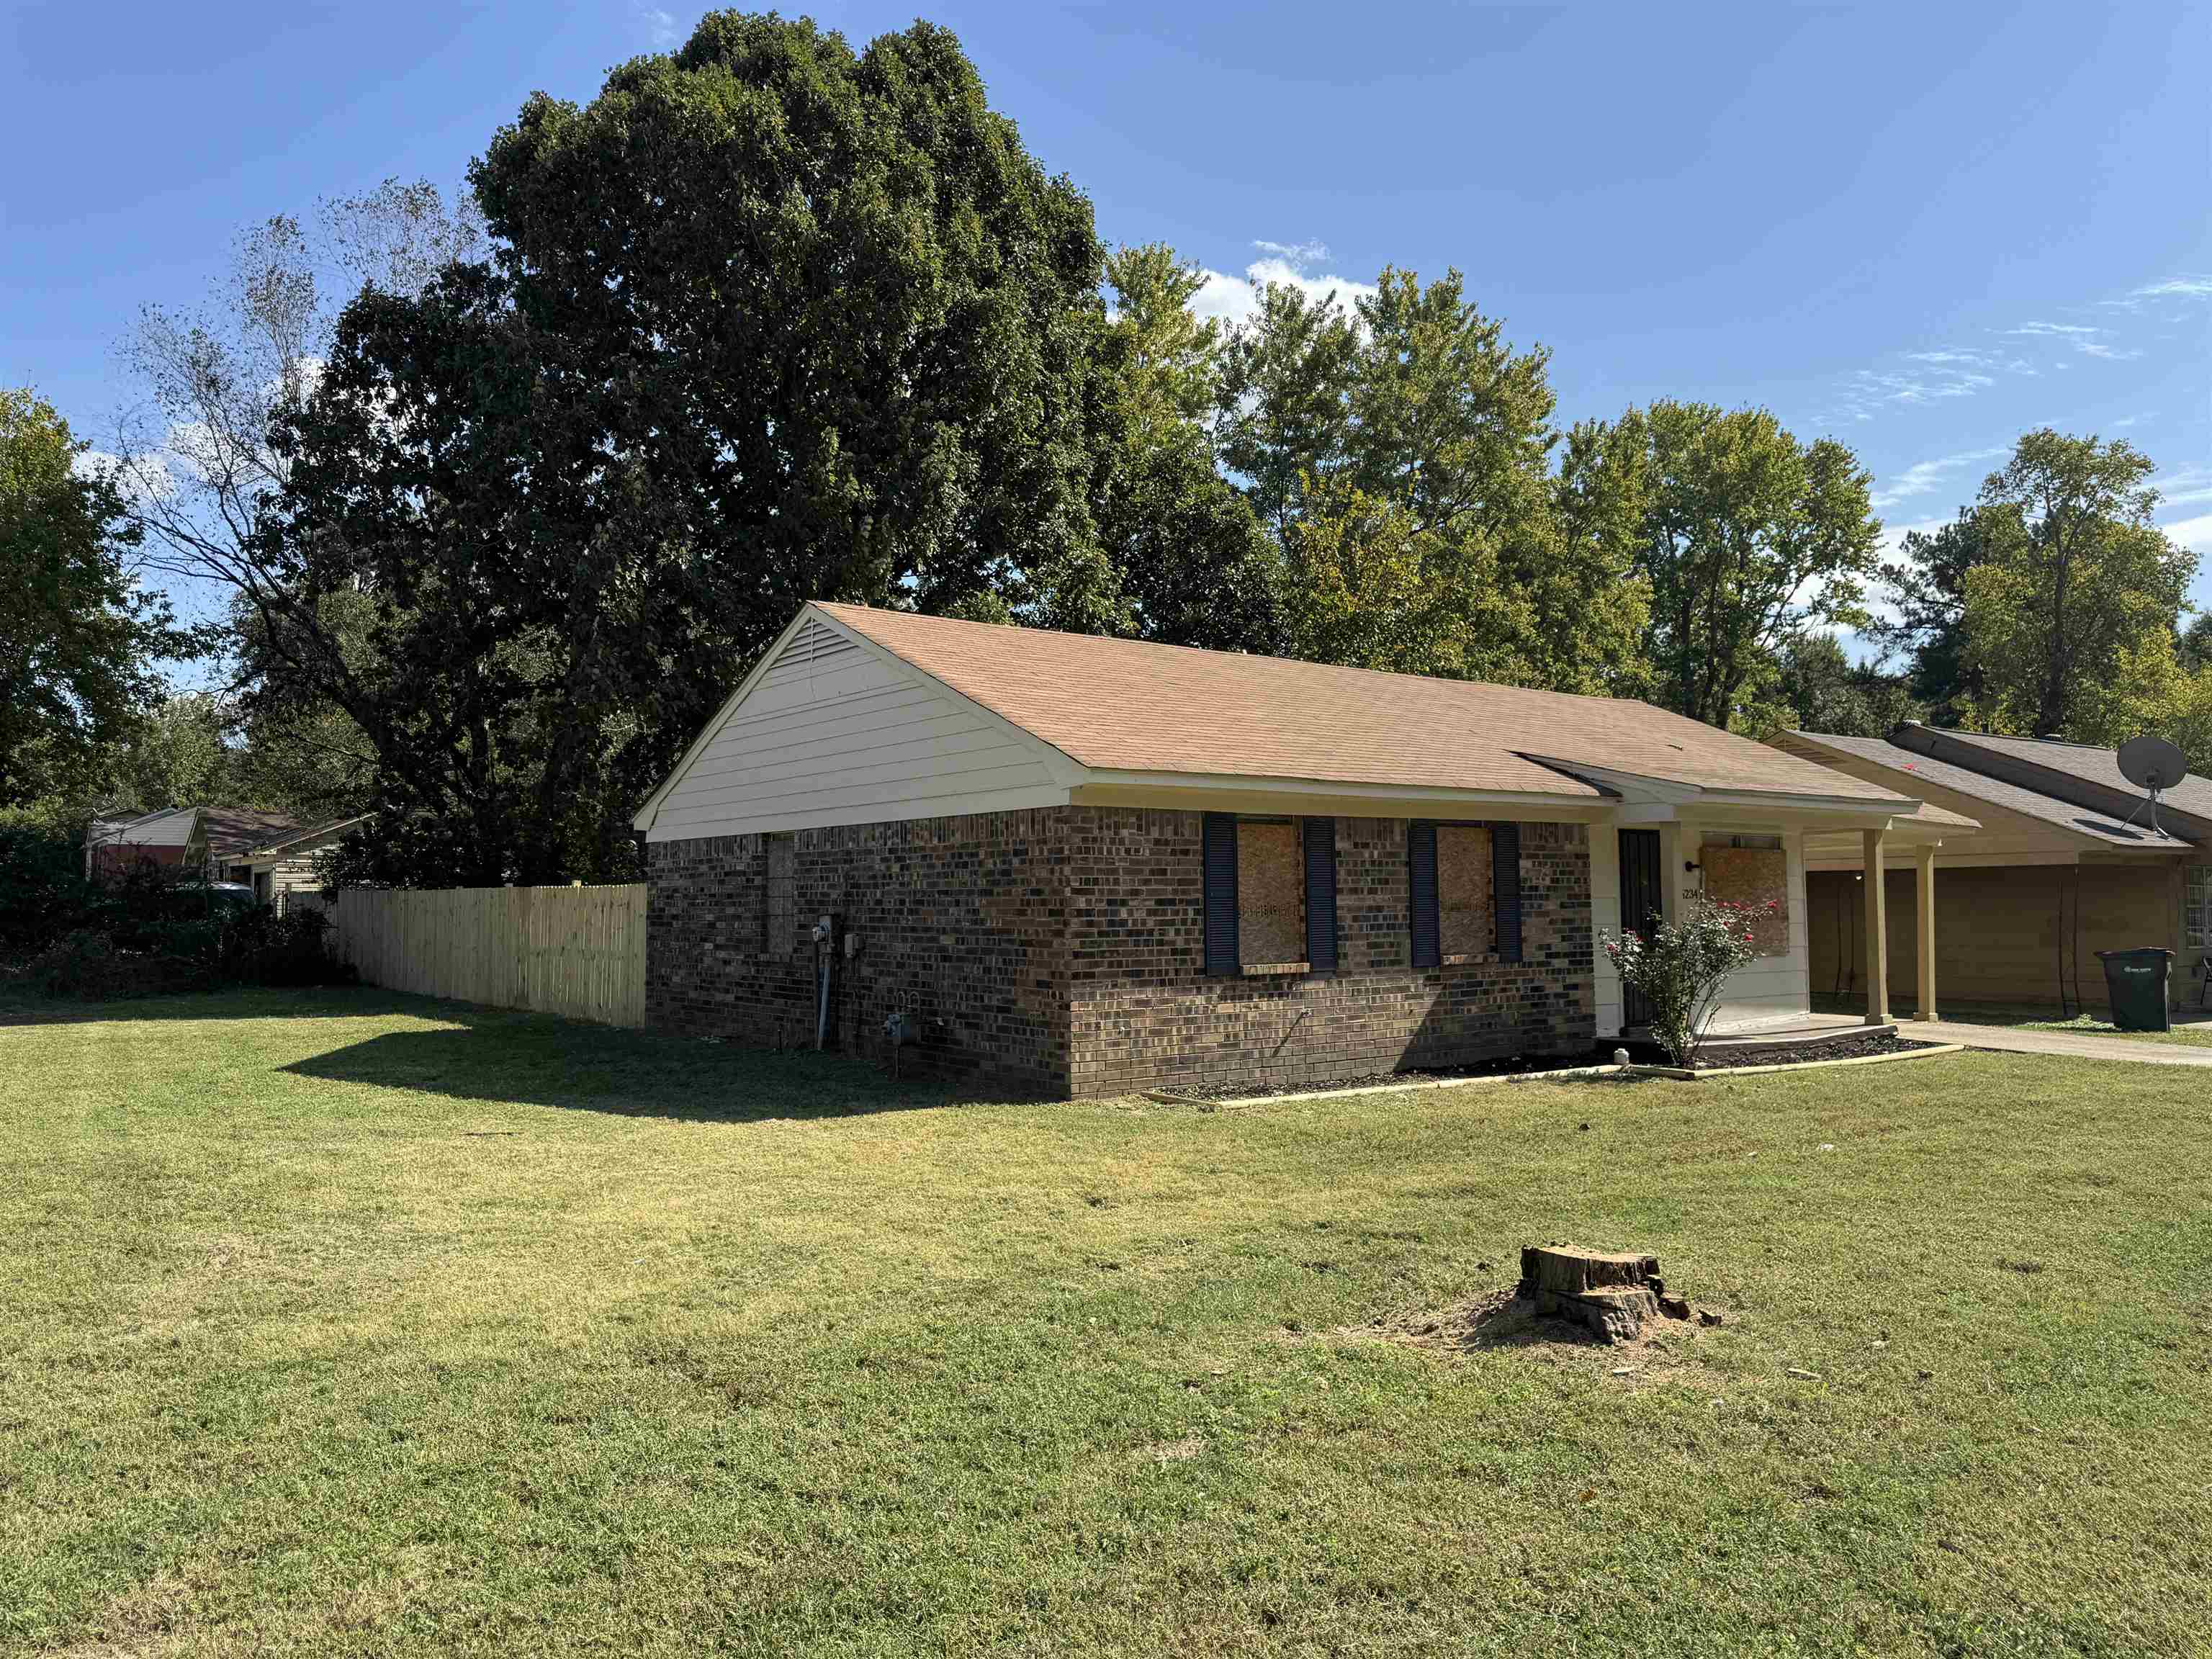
<point x="1271" y="913"/>
<point x="1464" y="926"/>
<point x="1759" y="878"/>
<point x="780" y="914"/>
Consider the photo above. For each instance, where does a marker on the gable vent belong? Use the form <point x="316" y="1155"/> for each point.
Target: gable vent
<point x="817" y="642"/>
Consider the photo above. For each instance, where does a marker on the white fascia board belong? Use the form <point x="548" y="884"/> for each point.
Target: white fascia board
<point x="1012" y="800"/>
<point x="1065" y="768"/>
<point x="1874" y="812"/>
<point x="1192" y="791"/>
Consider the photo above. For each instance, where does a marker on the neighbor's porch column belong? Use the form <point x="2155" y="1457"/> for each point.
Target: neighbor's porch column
<point x="1923" y="916"/>
<point x="1877" y="929"/>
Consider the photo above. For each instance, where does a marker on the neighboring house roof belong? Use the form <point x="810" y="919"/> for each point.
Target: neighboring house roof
<point x="2063" y="764"/>
<point x="1126" y="706"/>
<point x="232" y="832"/>
<point x="302" y="840"/>
<point x="1910" y="764"/>
<point x="167" y="826"/>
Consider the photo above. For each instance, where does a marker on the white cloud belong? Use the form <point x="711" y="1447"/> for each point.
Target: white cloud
<point x="2195" y="533"/>
<point x="659" y="26"/>
<point x="1300" y="254"/>
<point x="2098" y="348"/>
<point x="141" y="479"/>
<point x="2064" y="331"/>
<point x="1922" y="477"/>
<point x="2176" y="288"/>
<point x="2187" y="486"/>
<point x="1869" y="389"/>
<point x="1236" y="300"/>
<point x="1892" y="545"/>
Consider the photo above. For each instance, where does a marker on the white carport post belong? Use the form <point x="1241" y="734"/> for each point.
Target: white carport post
<point x="1877" y="929"/>
<point x="1924" y="931"/>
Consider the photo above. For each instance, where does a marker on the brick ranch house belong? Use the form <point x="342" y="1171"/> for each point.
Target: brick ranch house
<point x="1084" y="866"/>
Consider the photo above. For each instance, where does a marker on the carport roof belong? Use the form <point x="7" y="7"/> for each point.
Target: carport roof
<point x="1910" y="763"/>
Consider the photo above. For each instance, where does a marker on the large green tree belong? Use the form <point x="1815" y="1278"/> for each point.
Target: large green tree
<point x="1748" y="538"/>
<point x="78" y="635"/>
<point x="1928" y="591"/>
<point x="1818" y="688"/>
<point x="768" y="319"/>
<point x="2073" y="589"/>
<point x="1191" y="563"/>
<point x="1402" y="456"/>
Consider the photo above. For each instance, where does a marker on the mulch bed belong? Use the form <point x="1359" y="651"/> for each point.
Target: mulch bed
<point x="1514" y="1065"/>
<point x="1880" y="1043"/>
<point x="1511" y="1066"/>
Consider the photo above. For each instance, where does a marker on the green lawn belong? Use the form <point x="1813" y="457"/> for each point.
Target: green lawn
<point x="337" y="1322"/>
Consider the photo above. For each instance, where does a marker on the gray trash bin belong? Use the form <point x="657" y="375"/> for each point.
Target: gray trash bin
<point x="2135" y="981"/>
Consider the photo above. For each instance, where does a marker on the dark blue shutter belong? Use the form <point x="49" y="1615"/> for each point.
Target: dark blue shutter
<point x="1220" y="893"/>
<point x="1321" y="895"/>
<point x="1505" y="889"/>
<point x="1421" y="870"/>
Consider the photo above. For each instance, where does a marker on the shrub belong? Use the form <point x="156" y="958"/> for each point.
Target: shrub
<point x="88" y="966"/>
<point x="43" y="893"/>
<point x="1682" y="967"/>
<point x="264" y="948"/>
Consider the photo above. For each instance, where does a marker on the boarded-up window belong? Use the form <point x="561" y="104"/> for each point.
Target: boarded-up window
<point x="1757" y="876"/>
<point x="1463" y="871"/>
<point x="1271" y="917"/>
<point x="780" y="917"/>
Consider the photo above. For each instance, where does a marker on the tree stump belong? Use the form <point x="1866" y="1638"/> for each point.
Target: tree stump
<point x="1610" y="1294"/>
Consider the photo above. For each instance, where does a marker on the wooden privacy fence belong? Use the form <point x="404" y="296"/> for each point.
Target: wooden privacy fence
<point x="573" y="951"/>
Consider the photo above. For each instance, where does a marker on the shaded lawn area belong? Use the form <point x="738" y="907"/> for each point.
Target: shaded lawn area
<point x="340" y="1322"/>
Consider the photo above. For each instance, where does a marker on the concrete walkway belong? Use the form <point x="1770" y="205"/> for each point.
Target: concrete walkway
<point x="2083" y="1045"/>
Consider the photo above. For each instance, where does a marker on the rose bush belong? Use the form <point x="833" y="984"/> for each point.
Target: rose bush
<point x="1680" y="967"/>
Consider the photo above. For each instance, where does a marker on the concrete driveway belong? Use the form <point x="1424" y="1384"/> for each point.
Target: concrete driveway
<point x="2083" y="1045"/>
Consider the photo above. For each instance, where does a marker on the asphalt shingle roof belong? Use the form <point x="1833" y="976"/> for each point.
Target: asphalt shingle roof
<point x="1911" y="765"/>
<point x="1129" y="706"/>
<point x="234" y="831"/>
<point x="2087" y="763"/>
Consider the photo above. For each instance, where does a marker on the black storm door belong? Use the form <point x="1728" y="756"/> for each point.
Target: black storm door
<point x="1641" y="899"/>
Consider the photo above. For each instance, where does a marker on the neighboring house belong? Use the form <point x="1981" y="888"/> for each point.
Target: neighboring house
<point x="287" y="873"/>
<point x="210" y="843"/>
<point x="2066" y="865"/>
<point x="234" y="833"/>
<point x="1088" y="866"/>
<point x="172" y="838"/>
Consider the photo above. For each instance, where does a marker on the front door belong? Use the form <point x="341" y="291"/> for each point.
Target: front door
<point x="1642" y="898"/>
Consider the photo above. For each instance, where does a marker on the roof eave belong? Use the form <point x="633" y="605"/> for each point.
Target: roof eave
<point x="1101" y="780"/>
<point x="1645" y="789"/>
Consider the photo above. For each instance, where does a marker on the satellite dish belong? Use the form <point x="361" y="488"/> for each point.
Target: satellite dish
<point x="2152" y="763"/>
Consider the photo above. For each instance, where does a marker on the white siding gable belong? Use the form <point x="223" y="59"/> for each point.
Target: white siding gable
<point x="833" y="730"/>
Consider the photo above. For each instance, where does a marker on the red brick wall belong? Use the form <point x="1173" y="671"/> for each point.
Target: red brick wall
<point x="1144" y="1015"/>
<point x="114" y="861"/>
<point x="1059" y="951"/>
<point x="960" y="923"/>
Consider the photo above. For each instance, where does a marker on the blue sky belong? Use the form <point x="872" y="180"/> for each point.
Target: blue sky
<point x="1921" y="228"/>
